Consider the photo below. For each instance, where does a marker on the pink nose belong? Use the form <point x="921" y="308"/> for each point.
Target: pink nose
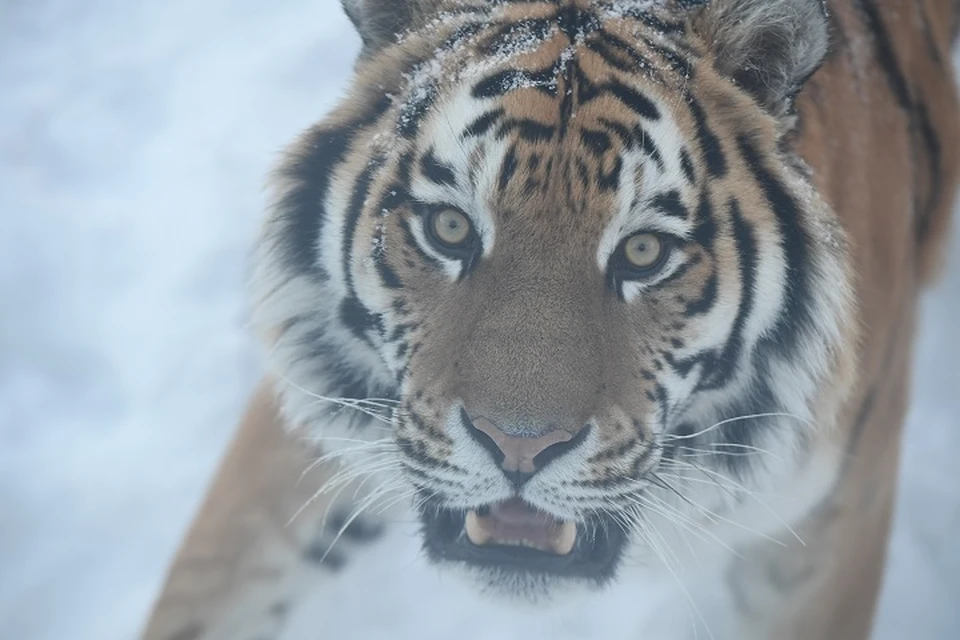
<point x="521" y="455"/>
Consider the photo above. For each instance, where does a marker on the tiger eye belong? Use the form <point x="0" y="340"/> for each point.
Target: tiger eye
<point x="451" y="227"/>
<point x="643" y="250"/>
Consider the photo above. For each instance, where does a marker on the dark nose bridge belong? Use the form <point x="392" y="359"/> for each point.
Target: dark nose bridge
<point x="521" y="457"/>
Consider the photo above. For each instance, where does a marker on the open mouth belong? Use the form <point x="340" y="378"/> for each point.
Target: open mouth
<point x="513" y="535"/>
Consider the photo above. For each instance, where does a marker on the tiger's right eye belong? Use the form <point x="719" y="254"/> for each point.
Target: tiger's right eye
<point x="643" y="251"/>
<point x="451" y="232"/>
<point x="451" y="228"/>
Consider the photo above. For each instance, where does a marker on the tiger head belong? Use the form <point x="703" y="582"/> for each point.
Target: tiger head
<point x="568" y="245"/>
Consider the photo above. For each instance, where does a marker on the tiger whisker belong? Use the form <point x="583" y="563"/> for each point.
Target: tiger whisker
<point x="708" y="481"/>
<point x="678" y="517"/>
<point x="748" y="450"/>
<point x="675" y="517"/>
<point x="348" y="403"/>
<point x="343" y="484"/>
<point x="375" y="447"/>
<point x="676" y="577"/>
<point x="716" y="517"/>
<point x="756" y="416"/>
<point x="749" y="493"/>
<point x="375" y="495"/>
<point x="339" y="479"/>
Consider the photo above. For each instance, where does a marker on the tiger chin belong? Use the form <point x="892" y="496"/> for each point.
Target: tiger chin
<point x="622" y="286"/>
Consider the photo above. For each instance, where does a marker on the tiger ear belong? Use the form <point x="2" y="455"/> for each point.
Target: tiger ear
<point x="768" y="47"/>
<point x="379" y="22"/>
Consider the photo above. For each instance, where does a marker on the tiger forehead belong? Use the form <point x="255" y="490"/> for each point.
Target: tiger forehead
<point x="548" y="47"/>
<point x="562" y="91"/>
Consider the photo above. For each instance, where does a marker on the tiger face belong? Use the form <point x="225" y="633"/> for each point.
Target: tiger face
<point x="568" y="244"/>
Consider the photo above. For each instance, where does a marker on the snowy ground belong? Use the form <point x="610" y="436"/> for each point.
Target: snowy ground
<point x="134" y="142"/>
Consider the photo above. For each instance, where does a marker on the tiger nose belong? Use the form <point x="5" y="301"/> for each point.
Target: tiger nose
<point x="521" y="457"/>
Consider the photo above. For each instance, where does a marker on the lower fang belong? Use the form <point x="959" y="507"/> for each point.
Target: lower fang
<point x="564" y="542"/>
<point x="476" y="532"/>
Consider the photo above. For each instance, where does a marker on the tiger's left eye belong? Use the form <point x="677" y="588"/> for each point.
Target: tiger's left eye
<point x="451" y="228"/>
<point x="644" y="252"/>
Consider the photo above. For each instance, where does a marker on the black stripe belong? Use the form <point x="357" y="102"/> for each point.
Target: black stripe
<point x="481" y="125"/>
<point x="915" y="110"/>
<point x="679" y="64"/>
<point x="663" y="399"/>
<point x="706" y="231"/>
<point x="431" y="429"/>
<point x="505" y="39"/>
<point x="361" y="191"/>
<point x="508" y="168"/>
<point x="358" y="318"/>
<point x="681" y="271"/>
<point x="388" y="276"/>
<point x="619" y="130"/>
<point x="503" y="82"/>
<point x="610" y="55"/>
<point x="352" y="312"/>
<point x="597" y="142"/>
<point x="634" y="100"/>
<point x="583" y="172"/>
<point x="411" y="241"/>
<point x="416" y="451"/>
<point x="935" y="154"/>
<point x="886" y="55"/>
<point x="658" y="25"/>
<point x="669" y="204"/>
<point x="527" y="129"/>
<point x="398" y="195"/>
<point x="746" y="248"/>
<point x="576" y="23"/>
<point x="649" y="146"/>
<point x="436" y="171"/>
<point x="709" y="143"/>
<point x="345" y="380"/>
<point x="399" y="332"/>
<point x="413" y="113"/>
<point x="706" y="300"/>
<point x="310" y="171"/>
<point x="462" y="33"/>
<point x="303" y="206"/>
<point x="620" y="54"/>
<point x="404" y="169"/>
<point x="570" y="69"/>
<point x="585" y="89"/>
<point x="686" y="164"/>
<point x="738" y="434"/>
<point x="796" y="247"/>
<point x="610" y="180"/>
<point x="683" y="366"/>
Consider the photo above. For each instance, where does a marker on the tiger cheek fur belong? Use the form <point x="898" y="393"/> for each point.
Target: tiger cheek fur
<point x="546" y="149"/>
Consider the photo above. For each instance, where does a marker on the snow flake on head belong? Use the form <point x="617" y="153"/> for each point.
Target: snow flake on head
<point x="455" y="61"/>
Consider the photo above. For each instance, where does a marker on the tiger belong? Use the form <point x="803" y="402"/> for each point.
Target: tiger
<point x="589" y="287"/>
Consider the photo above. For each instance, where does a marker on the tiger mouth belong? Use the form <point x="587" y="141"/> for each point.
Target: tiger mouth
<point x="514" y="536"/>
<point x="514" y="524"/>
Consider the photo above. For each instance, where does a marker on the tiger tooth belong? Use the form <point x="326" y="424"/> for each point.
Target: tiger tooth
<point x="564" y="542"/>
<point x="476" y="532"/>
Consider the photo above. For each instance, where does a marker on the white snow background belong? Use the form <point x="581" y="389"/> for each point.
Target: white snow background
<point x="135" y="138"/>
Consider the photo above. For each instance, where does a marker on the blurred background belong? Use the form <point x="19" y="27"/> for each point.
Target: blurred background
<point x="135" y="141"/>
